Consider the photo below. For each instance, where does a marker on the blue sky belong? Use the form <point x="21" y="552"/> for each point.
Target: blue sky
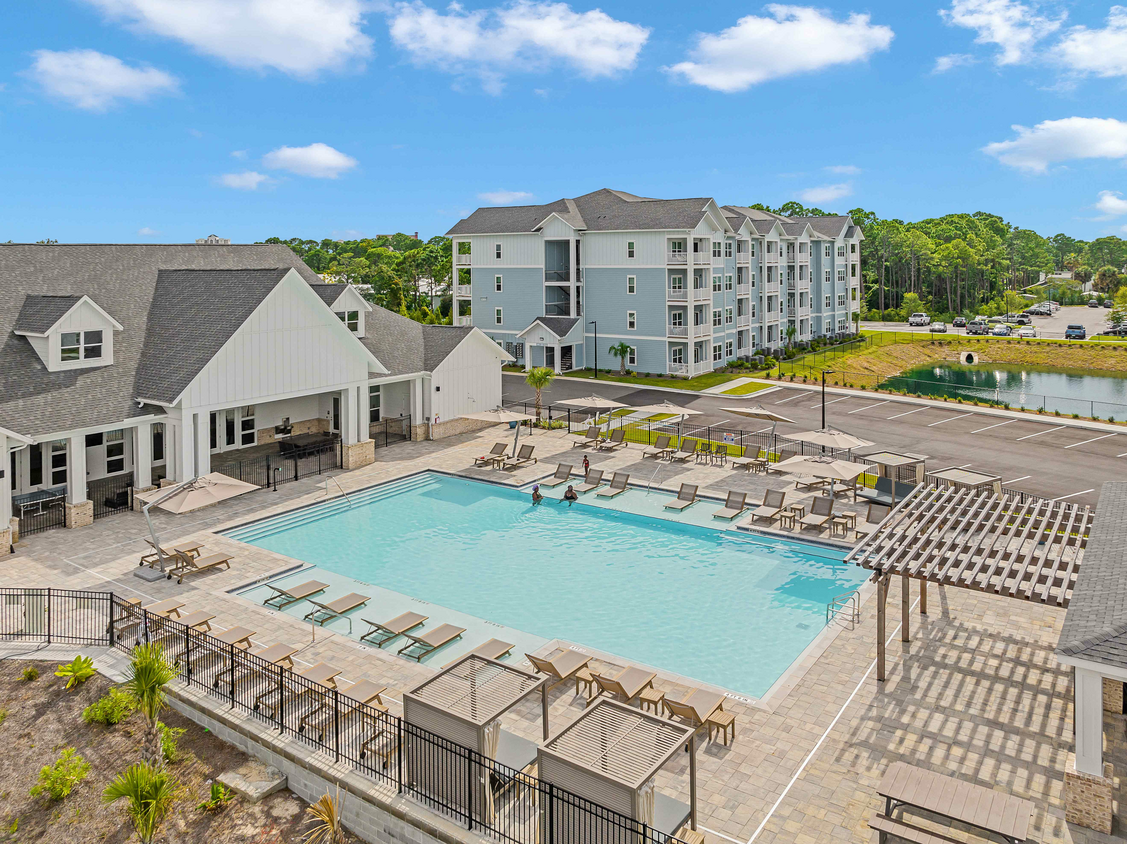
<point x="166" y="120"/>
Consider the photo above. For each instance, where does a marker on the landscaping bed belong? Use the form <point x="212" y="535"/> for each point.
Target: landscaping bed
<point x="41" y="719"/>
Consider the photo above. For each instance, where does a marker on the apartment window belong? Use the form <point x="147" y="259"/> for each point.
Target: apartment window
<point x="728" y="350"/>
<point x="841" y="251"/>
<point x="629" y="249"/>
<point x="631" y="284"/>
<point x="676" y="282"/>
<point x="81" y="345"/>
<point x="115" y="451"/>
<point x="716" y="284"/>
<point x="753" y="249"/>
<point x="753" y="310"/>
<point x="753" y="278"/>
<point x="829" y="251"/>
<point x="677" y="354"/>
<point x="727" y="316"/>
<point x="373" y="403"/>
<point x="677" y="319"/>
<point x="717" y="318"/>
<point x="829" y="276"/>
<point x="829" y="301"/>
<point x="497" y="251"/>
<point x="632" y="358"/>
<point x="677" y="247"/>
<point x="853" y="292"/>
<point x="841" y="300"/>
<point x="248" y="433"/>
<point x="853" y="249"/>
<point x="728" y="249"/>
<point x="727" y="282"/>
<point x="841" y="325"/>
<point x="841" y="275"/>
<point x="853" y="271"/>
<point x="58" y="450"/>
<point x="351" y="320"/>
<point x="717" y="353"/>
<point x="631" y="320"/>
<point x="158" y="442"/>
<point x="497" y="283"/>
<point x="498" y="317"/>
<point x="716" y="249"/>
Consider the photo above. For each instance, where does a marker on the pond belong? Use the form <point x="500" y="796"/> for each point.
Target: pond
<point x="1085" y="392"/>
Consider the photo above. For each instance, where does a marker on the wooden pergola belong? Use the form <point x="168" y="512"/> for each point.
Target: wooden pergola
<point x="991" y="540"/>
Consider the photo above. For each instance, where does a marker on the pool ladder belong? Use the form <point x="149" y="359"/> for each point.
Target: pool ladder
<point x="653" y="477"/>
<point x="848" y="604"/>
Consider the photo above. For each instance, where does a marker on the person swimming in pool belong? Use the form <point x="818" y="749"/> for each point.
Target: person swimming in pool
<point x="571" y="496"/>
<point x="536" y="496"/>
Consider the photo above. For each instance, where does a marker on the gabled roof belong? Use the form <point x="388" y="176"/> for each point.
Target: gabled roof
<point x="39" y="314"/>
<point x="404" y="346"/>
<point x="329" y="293"/>
<point x="559" y="326"/>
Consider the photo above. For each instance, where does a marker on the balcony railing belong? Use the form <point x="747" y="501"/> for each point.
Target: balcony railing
<point x="702" y="294"/>
<point x="462" y="260"/>
<point x="743" y="321"/>
<point x="678" y="331"/>
<point x="677" y="295"/>
<point x="743" y="258"/>
<point x="743" y="289"/>
<point x="464" y="320"/>
<point x="688" y="369"/>
<point x="463" y="289"/>
<point x="702" y="330"/>
<point x="557" y="276"/>
<point x="677" y="258"/>
<point x="702" y="257"/>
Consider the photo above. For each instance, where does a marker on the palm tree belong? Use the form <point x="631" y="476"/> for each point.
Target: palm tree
<point x="148" y="674"/>
<point x="150" y="792"/>
<point x="538" y="378"/>
<point x="790" y="332"/>
<point x="622" y="352"/>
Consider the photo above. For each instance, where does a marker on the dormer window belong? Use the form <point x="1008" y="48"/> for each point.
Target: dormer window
<point x="80" y="345"/>
<point x="67" y="331"/>
<point x="351" y="319"/>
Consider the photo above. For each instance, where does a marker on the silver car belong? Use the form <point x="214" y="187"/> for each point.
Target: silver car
<point x="938" y="328"/>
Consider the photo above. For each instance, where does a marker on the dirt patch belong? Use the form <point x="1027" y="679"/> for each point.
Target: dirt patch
<point x="42" y="719"/>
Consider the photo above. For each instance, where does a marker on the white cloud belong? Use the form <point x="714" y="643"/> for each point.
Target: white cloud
<point x="297" y="37"/>
<point x="843" y="169"/>
<point x="825" y="193"/>
<point x="247" y="180"/>
<point x="524" y="35"/>
<point x="318" y="160"/>
<point x="239" y="153"/>
<point x="145" y="231"/>
<point x="795" y="39"/>
<point x="94" y="81"/>
<point x="1102" y="52"/>
<point x="946" y="63"/>
<point x="1053" y="141"/>
<point x="1014" y="26"/>
<point x="1112" y="204"/>
<point x="504" y="197"/>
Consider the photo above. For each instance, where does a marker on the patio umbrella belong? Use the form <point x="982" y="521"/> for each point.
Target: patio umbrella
<point x="595" y="403"/>
<point x="200" y="492"/>
<point x="822" y="466"/>
<point x="760" y="412"/>
<point x="670" y="408"/>
<point x="829" y="438"/>
<point x="500" y="416"/>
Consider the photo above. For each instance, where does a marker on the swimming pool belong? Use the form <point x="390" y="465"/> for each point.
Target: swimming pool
<point x="719" y="606"/>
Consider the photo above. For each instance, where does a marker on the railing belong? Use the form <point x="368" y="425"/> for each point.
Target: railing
<point x="689" y="369"/>
<point x="677" y="258"/>
<point x="447" y="778"/>
<point x="462" y="260"/>
<point x="392" y="429"/>
<point x="557" y="276"/>
<point x="743" y="321"/>
<point x="702" y="258"/>
<point x="743" y="258"/>
<point x="677" y="295"/>
<point x="702" y="294"/>
<point x="111" y="495"/>
<point x="678" y="330"/>
<point x="36" y="516"/>
<point x="466" y="319"/>
<point x="273" y="469"/>
<point x="743" y="289"/>
<point x="702" y="330"/>
<point x="464" y="289"/>
<point x="848" y="605"/>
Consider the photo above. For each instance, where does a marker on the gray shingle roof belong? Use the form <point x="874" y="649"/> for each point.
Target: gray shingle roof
<point x="1095" y="626"/>
<point x="439" y="341"/>
<point x="121" y="279"/>
<point x="404" y="346"/>
<point x="39" y="313"/>
<point x="329" y="293"/>
<point x="556" y="324"/>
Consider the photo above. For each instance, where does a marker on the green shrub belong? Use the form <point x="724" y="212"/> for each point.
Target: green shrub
<point x="59" y="779"/>
<point x="1056" y="413"/>
<point x="1111" y="419"/>
<point x="3" y="716"/>
<point x="216" y="800"/>
<point x="111" y="709"/>
<point x="30" y="674"/>
<point x="77" y="671"/>
<point x="1076" y="416"/>
<point x="169" y="736"/>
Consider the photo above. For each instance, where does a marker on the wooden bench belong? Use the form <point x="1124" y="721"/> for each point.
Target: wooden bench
<point x="886" y="826"/>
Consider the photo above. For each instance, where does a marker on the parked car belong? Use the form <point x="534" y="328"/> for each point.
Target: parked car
<point x="977" y="326"/>
<point x="1092" y="303"/>
<point x="1116" y="331"/>
<point x="1001" y="330"/>
<point x="919" y="319"/>
<point x="1017" y="319"/>
<point x="1076" y="332"/>
<point x="959" y="322"/>
<point x="994" y="320"/>
<point x="1108" y="303"/>
<point x="1027" y="331"/>
<point x="938" y="328"/>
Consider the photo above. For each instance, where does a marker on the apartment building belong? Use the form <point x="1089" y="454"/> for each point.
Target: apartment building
<point x="688" y="284"/>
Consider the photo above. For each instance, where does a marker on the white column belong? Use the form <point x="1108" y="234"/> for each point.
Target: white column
<point x="186" y="448"/>
<point x="203" y="443"/>
<point x="556" y="365"/>
<point x="7" y="484"/>
<point x="76" y="469"/>
<point x="1088" y="716"/>
<point x="143" y="455"/>
<point x="362" y="433"/>
<point x="417" y="401"/>
<point x="348" y="416"/>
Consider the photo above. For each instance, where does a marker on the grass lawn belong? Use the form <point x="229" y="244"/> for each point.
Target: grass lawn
<point x="747" y="389"/>
<point x="700" y="382"/>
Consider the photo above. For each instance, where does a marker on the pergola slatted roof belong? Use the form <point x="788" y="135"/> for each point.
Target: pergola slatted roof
<point x="478" y="690"/>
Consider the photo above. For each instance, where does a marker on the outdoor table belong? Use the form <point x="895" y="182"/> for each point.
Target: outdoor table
<point x="703" y="704"/>
<point x="799" y="510"/>
<point x="981" y="807"/>
<point x="786" y="519"/>
<point x="36" y="501"/>
<point x="839" y="524"/>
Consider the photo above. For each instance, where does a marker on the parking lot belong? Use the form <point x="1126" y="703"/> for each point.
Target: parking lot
<point x="1051" y="327"/>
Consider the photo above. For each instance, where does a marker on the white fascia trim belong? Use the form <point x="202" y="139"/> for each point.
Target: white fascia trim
<point x="12" y="435"/>
<point x="395" y="379"/>
<point x="1112" y="672"/>
<point x="294" y="394"/>
<point x="660" y="338"/>
<point x="97" y="429"/>
<point x="365" y="305"/>
<point x="488" y="331"/>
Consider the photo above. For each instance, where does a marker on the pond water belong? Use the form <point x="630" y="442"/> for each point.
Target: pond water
<point x="1082" y="391"/>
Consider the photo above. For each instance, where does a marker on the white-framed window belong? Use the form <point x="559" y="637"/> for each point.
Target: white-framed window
<point x="727" y="316"/>
<point x="727" y="249"/>
<point x="829" y="276"/>
<point x="753" y="249"/>
<point x="716" y="249"/>
<point x="81" y="345"/>
<point x="373" y="403"/>
<point x="829" y="251"/>
<point x="717" y="352"/>
<point x="753" y="310"/>
<point x="631" y="320"/>
<point x="351" y="319"/>
<point x="853" y="249"/>
<point x="841" y="323"/>
<point x="841" y="274"/>
<point x="717" y="318"/>
<point x="716" y="282"/>
<point x="829" y="301"/>
<point x="629" y="249"/>
<point x="841" y="251"/>
<point x="248" y="434"/>
<point x="58" y="453"/>
<point x="727" y="282"/>
<point x="498" y="283"/>
<point x="498" y="316"/>
<point x="632" y="358"/>
<point x="677" y="318"/>
<point x="853" y="271"/>
<point x="115" y="451"/>
<point x="631" y="284"/>
<point x="729" y="352"/>
<point x="497" y="251"/>
<point x="677" y="247"/>
<point x="753" y="278"/>
<point x="676" y="282"/>
<point x="677" y="354"/>
<point x="841" y="300"/>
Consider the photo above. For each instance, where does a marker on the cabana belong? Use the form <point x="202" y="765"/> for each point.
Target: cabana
<point x="610" y="755"/>
<point x="902" y="468"/>
<point x="463" y="704"/>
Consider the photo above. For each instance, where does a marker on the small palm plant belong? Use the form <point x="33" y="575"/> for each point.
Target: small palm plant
<point x="149" y="791"/>
<point x="538" y="378"/>
<point x="622" y="352"/>
<point x="327" y="817"/>
<point x="148" y="674"/>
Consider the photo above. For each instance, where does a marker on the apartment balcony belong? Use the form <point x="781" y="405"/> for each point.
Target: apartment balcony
<point x="689" y="369"/>
<point x="464" y="320"/>
<point x="743" y="259"/>
<point x="702" y="258"/>
<point x="678" y="331"/>
<point x="680" y="295"/>
<point x="462" y="260"/>
<point x="463" y="291"/>
<point x="677" y="258"/>
<point x="743" y="321"/>
<point x="702" y="331"/>
<point x="743" y="289"/>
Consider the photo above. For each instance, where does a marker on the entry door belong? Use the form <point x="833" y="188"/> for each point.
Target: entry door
<point x="336" y="415"/>
<point x="223" y="429"/>
<point x="550" y="356"/>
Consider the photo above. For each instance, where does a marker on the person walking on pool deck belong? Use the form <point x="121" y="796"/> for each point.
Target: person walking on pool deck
<point x="536" y="496"/>
<point x="586" y="465"/>
<point x="571" y="496"/>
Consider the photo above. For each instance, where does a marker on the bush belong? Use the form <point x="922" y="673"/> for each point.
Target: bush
<point x="3" y="716"/>
<point x="216" y="800"/>
<point x="77" y="671"/>
<point x="1056" y="413"/>
<point x="112" y="709"/>
<point x="168" y="738"/>
<point x="30" y="674"/>
<point x="59" y="779"/>
<point x="1076" y="416"/>
<point x="1111" y="419"/>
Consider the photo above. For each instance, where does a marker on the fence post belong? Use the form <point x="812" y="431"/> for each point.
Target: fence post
<point x="231" y="667"/>
<point x="399" y="755"/>
<point x="569" y="420"/>
<point x="47" y="607"/>
<point x="336" y="724"/>
<point x="188" y="653"/>
<point x="469" y="789"/>
<point x="109" y="625"/>
<point x="550" y="835"/>
<point x="281" y="699"/>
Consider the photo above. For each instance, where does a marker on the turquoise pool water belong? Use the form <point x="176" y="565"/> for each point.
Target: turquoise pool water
<point x="718" y="606"/>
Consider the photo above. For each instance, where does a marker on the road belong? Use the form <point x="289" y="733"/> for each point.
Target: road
<point x="1038" y="454"/>
<point x="1052" y="327"/>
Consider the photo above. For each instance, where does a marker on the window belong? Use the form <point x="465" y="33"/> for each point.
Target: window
<point x="248" y="435"/>
<point x="373" y="403"/>
<point x="853" y="249"/>
<point x="728" y="249"/>
<point x="631" y="320"/>
<point x="829" y="276"/>
<point x="829" y="301"/>
<point x="829" y="251"/>
<point x="629" y="249"/>
<point x="717" y="318"/>
<point x="497" y="251"/>
<point x="518" y="351"/>
<point x="753" y="278"/>
<point x="841" y="300"/>
<point x="158" y="442"/>
<point x="81" y="345"/>
<point x="753" y="249"/>
<point x="717" y="352"/>
<point x="753" y="310"/>
<point x="497" y="283"/>
<point x="716" y="249"/>
<point x="632" y="358"/>
<point x="770" y="247"/>
<point x="716" y="281"/>
<point x="58" y="462"/>
<point x="115" y="451"/>
<point x="853" y="292"/>
<point x="677" y="354"/>
<point x="841" y="251"/>
<point x="853" y="271"/>
<point x="677" y="247"/>
<point x="676" y="282"/>
<point x="728" y="350"/>
<point x="841" y="275"/>
<point x="351" y="320"/>
<point x="631" y="284"/>
<point x="498" y="318"/>
<point x="727" y="282"/>
<point x="677" y="318"/>
<point x="801" y="248"/>
<point x="727" y="316"/>
<point x="841" y="325"/>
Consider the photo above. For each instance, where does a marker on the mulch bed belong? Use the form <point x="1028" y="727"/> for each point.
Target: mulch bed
<point x="43" y="719"/>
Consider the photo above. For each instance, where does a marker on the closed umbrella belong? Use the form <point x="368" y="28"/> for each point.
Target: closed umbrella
<point x="823" y="466"/>
<point x="500" y="416"/>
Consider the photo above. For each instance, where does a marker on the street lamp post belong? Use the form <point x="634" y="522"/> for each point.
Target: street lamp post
<point x="824" y="371"/>
<point x="594" y="323"/>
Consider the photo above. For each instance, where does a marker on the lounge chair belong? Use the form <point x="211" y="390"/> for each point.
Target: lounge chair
<point x="197" y="565"/>
<point x="626" y="685"/>
<point x="563" y="665"/>
<point x="734" y="506"/>
<point x="427" y="643"/>
<point x="594" y="480"/>
<point x="877" y="513"/>
<point x="496" y="453"/>
<point x="617" y="438"/>
<point x="562" y="475"/>
<point x="821" y="512"/>
<point x="809" y="484"/>
<point x="785" y="455"/>
<point x="685" y="496"/>
<point x="322" y="613"/>
<point x="493" y="649"/>
<point x="353" y="697"/>
<point x="388" y="630"/>
<point x="285" y="595"/>
<point x="743" y="461"/>
<point x="688" y="449"/>
<point x="660" y="447"/>
<point x="695" y="707"/>
<point x="523" y="456"/>
<point x="292" y="691"/>
<point x="152" y="558"/>
<point x="591" y="437"/>
<point x="617" y="485"/>
<point x="774" y="501"/>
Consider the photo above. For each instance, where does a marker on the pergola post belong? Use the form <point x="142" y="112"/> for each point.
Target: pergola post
<point x="905" y="607"/>
<point x="544" y="708"/>
<point x="882" y="595"/>
<point x="923" y="597"/>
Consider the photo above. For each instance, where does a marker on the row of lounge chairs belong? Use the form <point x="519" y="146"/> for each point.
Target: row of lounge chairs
<point x="497" y="458"/>
<point x="184" y="559"/>
<point x="616" y="439"/>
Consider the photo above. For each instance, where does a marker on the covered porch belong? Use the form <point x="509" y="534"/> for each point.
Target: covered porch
<point x="554" y="342"/>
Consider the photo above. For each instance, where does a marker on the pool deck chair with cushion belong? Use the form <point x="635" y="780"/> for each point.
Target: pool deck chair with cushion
<point x="594" y="480"/>
<point x="197" y="565"/>
<point x="774" y="500"/>
<point x="152" y="559"/>
<point x="660" y="448"/>
<point x="381" y="632"/>
<point x="877" y="513"/>
<point x="750" y="459"/>
<point x="285" y="595"/>
<point x="626" y="685"/>
<point x="322" y="613"/>
<point x="496" y="453"/>
<point x="735" y="504"/>
<point x="685" y="496"/>
<point x="493" y="649"/>
<point x="523" y="456"/>
<point x="617" y="438"/>
<point x="688" y="449"/>
<point x="430" y="641"/>
<point x="360" y="693"/>
<point x="821" y="512"/>
<point x="696" y="707"/>
<point x="592" y="436"/>
<point x="562" y="475"/>
<point x="562" y="665"/>
<point x="617" y="485"/>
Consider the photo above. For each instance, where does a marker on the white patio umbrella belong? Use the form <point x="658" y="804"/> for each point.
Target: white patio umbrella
<point x="760" y="412"/>
<point x="830" y="438"/>
<point x="596" y="403"/>
<point x="500" y="416"/>
<point x="822" y="466"/>
<point x="670" y="408"/>
<point x="200" y="492"/>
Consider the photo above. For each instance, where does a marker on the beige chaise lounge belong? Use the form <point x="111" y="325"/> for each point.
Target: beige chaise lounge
<point x="688" y="449"/>
<point x="197" y="565"/>
<point x="388" y="630"/>
<point x="733" y="506"/>
<point x="493" y="649"/>
<point x="774" y="501"/>
<point x="430" y="641"/>
<point x="744" y="461"/>
<point x="594" y="480"/>
<point x="322" y="613"/>
<point x="617" y="485"/>
<point x="360" y="693"/>
<point x="562" y="665"/>
<point x="685" y="496"/>
<point x="616" y="439"/>
<point x="660" y="447"/>
<point x="592" y="436"/>
<point x="562" y="475"/>
<point x="523" y="456"/>
<point x="285" y="595"/>
<point x="695" y="707"/>
<point x="821" y="512"/>
<point x="496" y="453"/>
<point x="626" y="685"/>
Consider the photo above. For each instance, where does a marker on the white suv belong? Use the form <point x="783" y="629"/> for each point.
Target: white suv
<point x="919" y="319"/>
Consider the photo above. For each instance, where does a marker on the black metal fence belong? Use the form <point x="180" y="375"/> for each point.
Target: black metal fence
<point x="36" y="517"/>
<point x="488" y="797"/>
<point x="391" y="430"/>
<point x="278" y="468"/>
<point x="111" y="495"/>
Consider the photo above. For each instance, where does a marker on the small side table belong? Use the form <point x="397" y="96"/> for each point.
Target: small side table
<point x="651" y="698"/>
<point x="722" y="722"/>
<point x="799" y="510"/>
<point x="786" y="519"/>
<point x="839" y="524"/>
<point x="583" y="678"/>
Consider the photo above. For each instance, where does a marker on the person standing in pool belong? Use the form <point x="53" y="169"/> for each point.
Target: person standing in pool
<point x="536" y="496"/>
<point x="571" y="496"/>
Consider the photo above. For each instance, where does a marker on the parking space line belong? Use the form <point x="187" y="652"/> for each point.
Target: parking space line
<point x="964" y="466"/>
<point x="999" y="425"/>
<point x="1092" y="440"/>
<point x="1039" y="433"/>
<point x="789" y="398"/>
<point x="1074" y="494"/>
<point x="917" y="410"/>
<point x="867" y="407"/>
<point x="949" y="418"/>
<point x="835" y="401"/>
<point x="1015" y="480"/>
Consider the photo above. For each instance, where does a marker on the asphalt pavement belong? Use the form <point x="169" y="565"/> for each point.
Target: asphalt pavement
<point x="1050" y="328"/>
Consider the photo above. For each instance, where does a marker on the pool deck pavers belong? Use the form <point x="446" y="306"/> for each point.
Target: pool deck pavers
<point x="976" y="693"/>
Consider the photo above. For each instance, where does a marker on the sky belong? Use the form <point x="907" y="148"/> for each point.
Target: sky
<point x="166" y="120"/>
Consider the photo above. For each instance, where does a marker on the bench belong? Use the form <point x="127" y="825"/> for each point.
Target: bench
<point x="886" y="826"/>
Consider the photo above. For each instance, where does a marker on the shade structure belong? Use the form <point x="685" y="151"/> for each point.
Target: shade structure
<point x="759" y="412"/>
<point x="823" y="466"/>
<point x="830" y="438"/>
<point x="500" y="416"/>
<point x="670" y="408"/>
<point x="202" y="492"/>
<point x="594" y="402"/>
